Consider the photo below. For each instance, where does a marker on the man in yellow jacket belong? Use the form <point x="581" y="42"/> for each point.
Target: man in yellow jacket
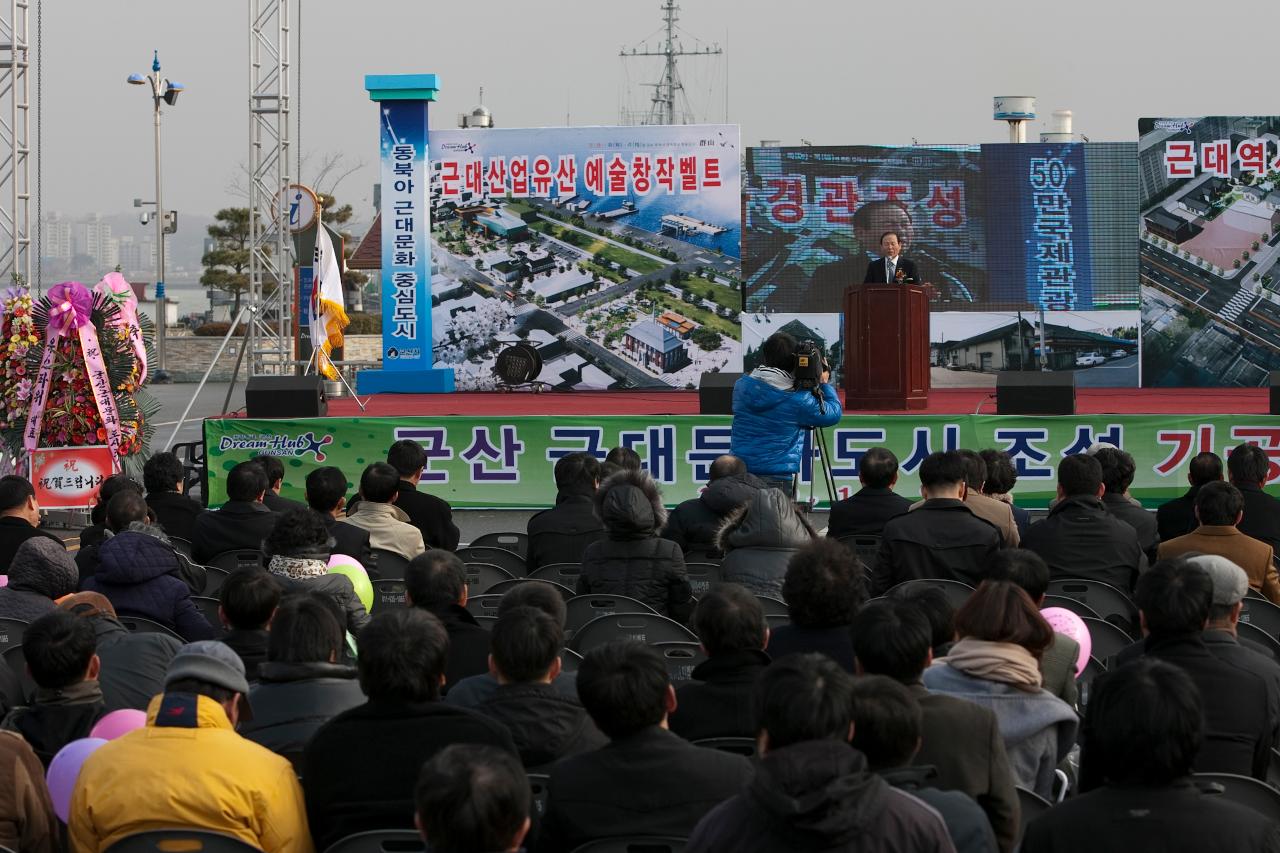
<point x="188" y="768"/>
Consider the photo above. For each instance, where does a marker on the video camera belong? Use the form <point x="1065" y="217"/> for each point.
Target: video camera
<point x="811" y="363"/>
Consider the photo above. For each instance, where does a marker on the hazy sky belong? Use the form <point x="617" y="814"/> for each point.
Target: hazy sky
<point x="831" y="72"/>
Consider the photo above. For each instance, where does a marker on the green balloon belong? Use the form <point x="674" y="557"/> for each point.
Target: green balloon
<point x="360" y="580"/>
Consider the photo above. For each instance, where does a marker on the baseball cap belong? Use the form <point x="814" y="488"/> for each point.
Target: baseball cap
<point x="1230" y="583"/>
<point x="215" y="663"/>
<point x="88" y="604"/>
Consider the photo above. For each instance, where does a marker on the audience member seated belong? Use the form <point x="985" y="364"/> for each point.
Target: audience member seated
<point x="759" y="538"/>
<point x="932" y="602"/>
<point x="388" y="525"/>
<point x="1249" y="468"/>
<point x="19" y="518"/>
<point x="695" y="524"/>
<point x="474" y="689"/>
<point x="131" y="665"/>
<point x="1118" y="469"/>
<point x="959" y="739"/>
<point x="619" y="459"/>
<point x="1219" y="508"/>
<point x="163" y="475"/>
<point x="472" y="797"/>
<point x="812" y="791"/>
<point x="1177" y="517"/>
<point x="561" y="534"/>
<point x="732" y="629"/>
<point x="248" y="599"/>
<point x="996" y="663"/>
<point x="1174" y="601"/>
<point x="27" y="819"/>
<point x="823" y="589"/>
<point x="360" y="768"/>
<point x="274" y="469"/>
<point x="298" y="553"/>
<point x="1002" y="476"/>
<point x="326" y="494"/>
<point x="939" y="538"/>
<point x="646" y="781"/>
<point x="91" y="537"/>
<point x="1080" y="538"/>
<point x="40" y="571"/>
<point x="140" y="573"/>
<point x="886" y="729"/>
<point x="999" y="513"/>
<point x="243" y="522"/>
<point x="1142" y="732"/>
<point x="303" y="683"/>
<point x="865" y="512"/>
<point x="189" y="768"/>
<point x="430" y="514"/>
<point x="1027" y="571"/>
<point x="437" y="582"/>
<point x="545" y="724"/>
<point x="61" y="654"/>
<point x="631" y="560"/>
<point x="127" y="511"/>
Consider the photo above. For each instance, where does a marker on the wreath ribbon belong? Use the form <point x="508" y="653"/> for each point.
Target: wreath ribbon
<point x="114" y="287"/>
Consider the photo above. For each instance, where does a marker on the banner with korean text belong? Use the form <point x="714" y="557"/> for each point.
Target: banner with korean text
<point x="508" y="462"/>
<point x="612" y="250"/>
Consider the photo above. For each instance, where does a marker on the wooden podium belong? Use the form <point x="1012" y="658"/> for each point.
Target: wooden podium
<point x="886" y="352"/>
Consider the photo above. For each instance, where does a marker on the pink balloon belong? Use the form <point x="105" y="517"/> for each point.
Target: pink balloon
<point x="1063" y="621"/>
<point x="119" y="723"/>
<point x="344" y="560"/>
<point x="4" y="581"/>
<point x="65" y="768"/>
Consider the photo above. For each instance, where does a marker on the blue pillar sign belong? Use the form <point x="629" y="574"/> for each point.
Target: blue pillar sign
<point x="406" y="238"/>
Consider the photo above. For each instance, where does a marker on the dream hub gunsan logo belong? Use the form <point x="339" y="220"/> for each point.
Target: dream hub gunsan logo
<point x="277" y="445"/>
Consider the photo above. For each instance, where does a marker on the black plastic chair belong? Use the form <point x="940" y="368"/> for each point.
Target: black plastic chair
<point x="502" y="586"/>
<point x="583" y="608"/>
<point x="17" y="661"/>
<point x="865" y="545"/>
<point x="379" y="841"/>
<point x="682" y="658"/>
<point x="187" y="840"/>
<point x="481" y="576"/>
<point x="209" y="607"/>
<point x="1030" y="806"/>
<point x="1261" y="614"/>
<point x="1243" y="790"/>
<point x="569" y="660"/>
<point x="11" y="631"/>
<point x="500" y="557"/>
<point x="744" y="746"/>
<point x="214" y="578"/>
<point x="1249" y="631"/>
<point x="1084" y="681"/>
<point x="142" y="625"/>
<point x="565" y="574"/>
<point x="182" y="546"/>
<point x="702" y="576"/>
<point x="240" y="558"/>
<point x="957" y="592"/>
<point x="517" y="542"/>
<point x="484" y="605"/>
<point x="387" y="594"/>
<point x="644" y="627"/>
<point x="388" y="565"/>
<point x="538" y="787"/>
<point x="1254" y="594"/>
<point x="486" y="622"/>
<point x="1109" y="603"/>
<point x="1108" y="640"/>
<point x="695" y="555"/>
<point x="1273" y="769"/>
<point x="634" y="844"/>
<point x="1084" y="611"/>
<point x="773" y="607"/>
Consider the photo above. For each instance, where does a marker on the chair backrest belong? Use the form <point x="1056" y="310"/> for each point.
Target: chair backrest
<point x="1031" y="806"/>
<point x="484" y="605"/>
<point x="1108" y="602"/>
<point x="379" y="841"/>
<point x="1243" y="790"/>
<point x="1079" y="608"/>
<point x="773" y="607"/>
<point x="1262" y="614"/>
<point x="1254" y="594"/>
<point x="744" y="746"/>
<point x="517" y="542"/>
<point x="241" y="558"/>
<point x="644" y="627"/>
<point x="1249" y="631"/>
<point x="565" y="574"/>
<point x="214" y="578"/>
<point x="500" y="557"/>
<point x="142" y="625"/>
<point x="569" y="660"/>
<point x="186" y="840"/>
<point x="702" y="576"/>
<point x="865" y="545"/>
<point x="17" y="661"/>
<point x="957" y="592"/>
<point x="694" y="555"/>
<point x="1084" y="681"/>
<point x="486" y="622"/>
<point x="634" y="844"/>
<point x="389" y="565"/>
<point x="583" y="608"/>
<point x="538" y="787"/>
<point x="11" y="631"/>
<point x="481" y="576"/>
<point x="1107" y="639"/>
<point x="682" y="657"/>
<point x="182" y="546"/>
<point x="502" y="586"/>
<point x="387" y="594"/>
<point x="209" y="607"/>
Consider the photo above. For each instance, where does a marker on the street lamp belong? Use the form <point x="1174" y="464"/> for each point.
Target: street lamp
<point x="165" y="90"/>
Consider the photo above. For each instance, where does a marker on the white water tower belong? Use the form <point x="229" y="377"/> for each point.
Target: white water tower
<point x="1017" y="110"/>
<point x="1060" y="129"/>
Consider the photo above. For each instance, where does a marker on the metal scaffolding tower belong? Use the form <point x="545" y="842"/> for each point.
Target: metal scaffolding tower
<point x="15" y="143"/>
<point x="662" y="109"/>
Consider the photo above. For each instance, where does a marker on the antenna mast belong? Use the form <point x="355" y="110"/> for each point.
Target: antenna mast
<point x="662" y="108"/>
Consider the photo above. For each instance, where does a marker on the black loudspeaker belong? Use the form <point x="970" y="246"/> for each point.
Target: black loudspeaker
<point x="1275" y="392"/>
<point x="715" y="393"/>
<point x="1033" y="392"/>
<point x="285" y="397"/>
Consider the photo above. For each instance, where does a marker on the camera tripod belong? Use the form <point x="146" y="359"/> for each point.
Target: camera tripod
<point x="819" y="448"/>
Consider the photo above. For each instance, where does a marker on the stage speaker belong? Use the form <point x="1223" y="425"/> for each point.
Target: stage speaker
<point x="285" y="397"/>
<point x="715" y="393"/>
<point x="1035" y="393"/>
<point x="1275" y="392"/>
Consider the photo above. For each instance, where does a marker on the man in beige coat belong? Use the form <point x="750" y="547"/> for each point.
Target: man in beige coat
<point x="388" y="526"/>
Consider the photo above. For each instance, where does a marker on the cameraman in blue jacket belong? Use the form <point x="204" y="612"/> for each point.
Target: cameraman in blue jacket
<point x="770" y="415"/>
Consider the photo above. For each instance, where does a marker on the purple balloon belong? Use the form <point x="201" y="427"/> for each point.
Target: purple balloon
<point x="118" y="723"/>
<point x="64" y="769"/>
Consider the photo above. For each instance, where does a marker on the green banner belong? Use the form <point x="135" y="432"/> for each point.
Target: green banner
<point x="506" y="463"/>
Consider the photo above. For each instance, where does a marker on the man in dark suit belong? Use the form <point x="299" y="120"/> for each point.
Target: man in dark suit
<point x="242" y="522"/>
<point x="561" y="534"/>
<point x="1118" y="469"/>
<point x="1249" y="468"/>
<point x="437" y="582"/>
<point x="891" y="267"/>
<point x="430" y="514"/>
<point x="19" y="517"/>
<point x="163" y="476"/>
<point x="1178" y="517"/>
<point x="274" y="469"/>
<point x="326" y="494"/>
<point x="647" y="781"/>
<point x="866" y="511"/>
